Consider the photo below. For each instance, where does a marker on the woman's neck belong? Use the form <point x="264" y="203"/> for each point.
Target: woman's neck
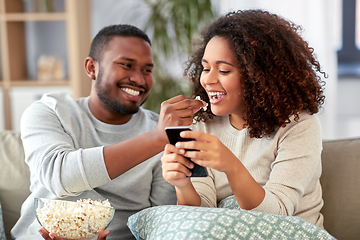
<point x="237" y="121"/>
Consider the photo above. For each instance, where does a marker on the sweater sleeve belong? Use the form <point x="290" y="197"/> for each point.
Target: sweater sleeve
<point x="296" y="169"/>
<point x="205" y="187"/>
<point x="53" y="156"/>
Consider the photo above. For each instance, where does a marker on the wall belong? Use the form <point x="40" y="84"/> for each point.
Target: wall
<point x="2" y="110"/>
<point x="22" y="97"/>
<point x="318" y="19"/>
<point x="348" y="111"/>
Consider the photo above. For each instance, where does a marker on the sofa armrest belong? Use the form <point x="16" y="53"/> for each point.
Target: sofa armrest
<point x="340" y="182"/>
<point x="2" y="229"/>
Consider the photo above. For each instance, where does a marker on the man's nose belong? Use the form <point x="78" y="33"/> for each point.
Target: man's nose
<point x="137" y="77"/>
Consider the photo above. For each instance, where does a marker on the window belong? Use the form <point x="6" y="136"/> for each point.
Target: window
<point x="349" y="51"/>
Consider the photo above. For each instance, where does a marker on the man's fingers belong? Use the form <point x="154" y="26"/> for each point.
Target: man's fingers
<point x="175" y="99"/>
<point x="44" y="233"/>
<point x="182" y="102"/>
<point x="103" y="234"/>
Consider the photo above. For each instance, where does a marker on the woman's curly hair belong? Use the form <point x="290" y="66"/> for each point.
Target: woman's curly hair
<point x="278" y="69"/>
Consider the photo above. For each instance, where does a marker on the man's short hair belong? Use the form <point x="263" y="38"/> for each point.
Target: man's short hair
<point x="104" y="36"/>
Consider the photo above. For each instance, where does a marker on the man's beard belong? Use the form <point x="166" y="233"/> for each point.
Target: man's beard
<point x="104" y="94"/>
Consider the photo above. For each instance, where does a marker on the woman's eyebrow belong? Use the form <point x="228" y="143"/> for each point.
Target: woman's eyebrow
<point x="218" y="62"/>
<point x="224" y="62"/>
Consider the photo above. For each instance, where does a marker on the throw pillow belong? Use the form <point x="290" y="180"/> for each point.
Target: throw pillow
<point x="186" y="222"/>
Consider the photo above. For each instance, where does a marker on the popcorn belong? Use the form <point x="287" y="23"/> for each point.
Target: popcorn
<point x="203" y="108"/>
<point x="75" y="220"/>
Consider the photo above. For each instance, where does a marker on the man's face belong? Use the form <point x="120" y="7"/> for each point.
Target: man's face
<point x="125" y="77"/>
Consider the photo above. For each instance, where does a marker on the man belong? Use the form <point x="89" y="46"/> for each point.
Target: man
<point x="104" y="146"/>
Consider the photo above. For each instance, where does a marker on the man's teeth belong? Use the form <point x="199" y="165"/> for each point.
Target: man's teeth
<point x="215" y="95"/>
<point x="131" y="91"/>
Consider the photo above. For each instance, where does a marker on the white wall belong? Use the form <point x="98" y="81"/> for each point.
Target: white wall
<point x="2" y="111"/>
<point x="348" y="117"/>
<point x="22" y="97"/>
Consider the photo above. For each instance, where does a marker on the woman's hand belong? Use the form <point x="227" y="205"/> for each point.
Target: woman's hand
<point x="214" y="154"/>
<point x="52" y="236"/>
<point x="176" y="168"/>
<point x="211" y="152"/>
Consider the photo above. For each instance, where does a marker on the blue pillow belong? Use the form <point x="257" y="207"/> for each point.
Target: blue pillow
<point x="186" y="222"/>
<point x="2" y="229"/>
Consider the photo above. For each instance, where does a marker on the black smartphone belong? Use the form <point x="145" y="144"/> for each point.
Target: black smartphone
<point x="173" y="134"/>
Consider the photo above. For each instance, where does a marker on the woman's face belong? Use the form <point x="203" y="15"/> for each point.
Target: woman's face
<point x="221" y="78"/>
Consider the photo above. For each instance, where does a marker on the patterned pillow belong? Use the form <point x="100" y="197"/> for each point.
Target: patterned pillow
<point x="2" y="229"/>
<point x="186" y="222"/>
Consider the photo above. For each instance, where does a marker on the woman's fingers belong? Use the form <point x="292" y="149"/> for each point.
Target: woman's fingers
<point x="174" y="154"/>
<point x="169" y="148"/>
<point x="176" y="169"/>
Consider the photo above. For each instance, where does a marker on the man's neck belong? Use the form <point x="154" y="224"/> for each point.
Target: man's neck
<point x="103" y="114"/>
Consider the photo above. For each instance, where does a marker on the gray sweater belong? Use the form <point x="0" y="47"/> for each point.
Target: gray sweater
<point x="63" y="145"/>
<point x="287" y="165"/>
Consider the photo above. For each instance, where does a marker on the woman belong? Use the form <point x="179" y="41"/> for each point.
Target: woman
<point x="259" y="137"/>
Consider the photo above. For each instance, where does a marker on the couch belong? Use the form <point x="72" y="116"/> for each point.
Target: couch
<point x="340" y="182"/>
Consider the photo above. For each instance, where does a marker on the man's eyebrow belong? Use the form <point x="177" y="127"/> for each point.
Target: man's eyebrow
<point x="218" y="62"/>
<point x="133" y="60"/>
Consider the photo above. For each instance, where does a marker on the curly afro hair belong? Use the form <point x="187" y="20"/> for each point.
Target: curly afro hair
<point x="278" y="69"/>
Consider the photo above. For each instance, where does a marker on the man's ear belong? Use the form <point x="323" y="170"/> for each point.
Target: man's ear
<point x="90" y="67"/>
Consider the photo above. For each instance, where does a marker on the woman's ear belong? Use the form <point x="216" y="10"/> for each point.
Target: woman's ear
<point x="90" y="67"/>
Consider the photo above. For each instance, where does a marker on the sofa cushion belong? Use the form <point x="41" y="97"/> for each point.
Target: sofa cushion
<point x="14" y="178"/>
<point x="186" y="222"/>
<point x="340" y="182"/>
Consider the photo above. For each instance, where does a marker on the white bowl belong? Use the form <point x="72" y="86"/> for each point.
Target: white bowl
<point x="73" y="220"/>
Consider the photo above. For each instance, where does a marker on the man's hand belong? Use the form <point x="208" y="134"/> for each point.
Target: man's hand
<point x="52" y="236"/>
<point x="177" y="111"/>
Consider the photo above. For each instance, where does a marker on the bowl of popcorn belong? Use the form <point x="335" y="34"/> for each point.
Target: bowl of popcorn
<point x="81" y="219"/>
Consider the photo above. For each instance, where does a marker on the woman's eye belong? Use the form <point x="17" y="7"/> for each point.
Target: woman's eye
<point x="206" y="70"/>
<point x="224" y="72"/>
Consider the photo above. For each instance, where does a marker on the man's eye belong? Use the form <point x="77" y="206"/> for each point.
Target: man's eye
<point x="147" y="71"/>
<point x="126" y="65"/>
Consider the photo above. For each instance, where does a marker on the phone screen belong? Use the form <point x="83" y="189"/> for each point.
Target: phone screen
<point x="173" y="134"/>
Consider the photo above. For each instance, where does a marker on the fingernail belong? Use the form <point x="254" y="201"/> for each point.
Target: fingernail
<point x="191" y="165"/>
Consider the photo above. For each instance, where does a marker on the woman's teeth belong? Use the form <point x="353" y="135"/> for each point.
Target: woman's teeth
<point x="131" y="91"/>
<point x="216" y="95"/>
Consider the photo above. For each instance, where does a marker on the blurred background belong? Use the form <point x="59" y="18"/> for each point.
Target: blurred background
<point x="54" y="31"/>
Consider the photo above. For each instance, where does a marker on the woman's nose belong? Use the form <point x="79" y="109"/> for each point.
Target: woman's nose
<point x="210" y="77"/>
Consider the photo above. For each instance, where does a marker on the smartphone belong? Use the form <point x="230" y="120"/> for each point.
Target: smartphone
<point x="173" y="134"/>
